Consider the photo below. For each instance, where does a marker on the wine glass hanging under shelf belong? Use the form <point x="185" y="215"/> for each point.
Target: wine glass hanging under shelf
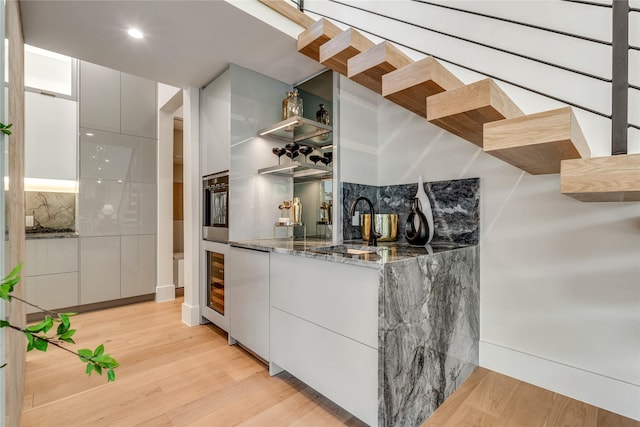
<point x="297" y="129"/>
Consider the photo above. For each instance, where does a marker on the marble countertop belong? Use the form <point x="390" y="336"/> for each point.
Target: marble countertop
<point x="52" y="235"/>
<point x="351" y="252"/>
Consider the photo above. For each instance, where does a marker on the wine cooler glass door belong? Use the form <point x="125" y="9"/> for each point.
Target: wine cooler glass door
<point x="215" y="277"/>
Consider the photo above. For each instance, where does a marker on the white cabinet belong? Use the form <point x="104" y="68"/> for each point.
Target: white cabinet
<point x="117" y="102"/>
<point x="51" y="130"/>
<point x="99" y="269"/>
<point x="99" y="97"/>
<point x="247" y="283"/>
<point x="324" y="329"/>
<point x="215" y="125"/>
<point x="138" y="110"/>
<point x="137" y="265"/>
<point x="51" y="273"/>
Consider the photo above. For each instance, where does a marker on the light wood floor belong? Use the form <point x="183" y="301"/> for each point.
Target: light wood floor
<point x="174" y="375"/>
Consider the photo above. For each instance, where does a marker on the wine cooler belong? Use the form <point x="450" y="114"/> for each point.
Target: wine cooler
<point x="214" y="307"/>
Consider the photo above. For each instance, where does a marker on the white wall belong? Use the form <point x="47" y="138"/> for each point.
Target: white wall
<point x="560" y="294"/>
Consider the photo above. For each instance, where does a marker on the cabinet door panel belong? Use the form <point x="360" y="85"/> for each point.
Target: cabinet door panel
<point x="99" y="269"/>
<point x="138" y="265"/>
<point x="113" y="156"/>
<point x="50" y="256"/>
<point x="51" y="131"/>
<point x="342" y="298"/>
<point x="247" y="284"/>
<point x="52" y="291"/>
<point x="343" y="370"/>
<point x="99" y="97"/>
<point x="138" y="104"/>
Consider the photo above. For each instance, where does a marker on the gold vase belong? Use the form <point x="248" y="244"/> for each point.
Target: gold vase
<point x="386" y="225"/>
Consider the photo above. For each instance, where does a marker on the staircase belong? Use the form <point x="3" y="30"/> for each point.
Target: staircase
<point x="481" y="113"/>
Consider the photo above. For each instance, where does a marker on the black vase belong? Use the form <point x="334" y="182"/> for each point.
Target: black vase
<point x="419" y="236"/>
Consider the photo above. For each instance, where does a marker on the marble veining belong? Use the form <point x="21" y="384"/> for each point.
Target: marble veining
<point x="428" y="333"/>
<point x="455" y="205"/>
<point x="52" y="212"/>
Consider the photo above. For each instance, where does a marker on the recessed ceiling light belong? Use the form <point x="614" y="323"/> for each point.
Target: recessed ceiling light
<point x="89" y="134"/>
<point x="135" y="33"/>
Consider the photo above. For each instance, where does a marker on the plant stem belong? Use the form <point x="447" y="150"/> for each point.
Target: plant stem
<point x="50" y="341"/>
<point x="44" y="310"/>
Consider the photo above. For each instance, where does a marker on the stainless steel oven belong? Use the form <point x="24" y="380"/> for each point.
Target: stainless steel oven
<point x="215" y="207"/>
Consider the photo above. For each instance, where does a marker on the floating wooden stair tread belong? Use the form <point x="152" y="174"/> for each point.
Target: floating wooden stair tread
<point x="536" y="143"/>
<point x="465" y="110"/>
<point x="602" y="179"/>
<point x="310" y="40"/>
<point x="410" y="85"/>
<point x="368" y="67"/>
<point x="336" y="52"/>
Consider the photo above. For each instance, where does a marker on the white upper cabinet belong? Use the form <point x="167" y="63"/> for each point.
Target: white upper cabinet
<point x="50" y="137"/>
<point x="117" y="102"/>
<point x="137" y="106"/>
<point x="99" y="97"/>
<point x="215" y="125"/>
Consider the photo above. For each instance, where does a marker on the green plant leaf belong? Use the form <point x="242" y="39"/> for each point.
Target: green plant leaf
<point x="98" y="369"/>
<point x="89" y="369"/>
<point x="4" y="323"/>
<point x="99" y="350"/>
<point x="66" y="337"/>
<point x="3" y="365"/>
<point x="30" y="345"/>
<point x="111" y="375"/>
<point x="40" y="344"/>
<point x="85" y="354"/>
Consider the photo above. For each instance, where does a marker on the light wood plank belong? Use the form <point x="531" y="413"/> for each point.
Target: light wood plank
<point x="368" y="67"/>
<point x="287" y="10"/>
<point x="175" y="375"/>
<point x="537" y="143"/>
<point x="410" y="86"/>
<point x="528" y="406"/>
<point x="465" y="110"/>
<point x="310" y="40"/>
<point x="602" y="179"/>
<point x="336" y="52"/>
<point x="492" y="394"/>
<point x="567" y="412"/>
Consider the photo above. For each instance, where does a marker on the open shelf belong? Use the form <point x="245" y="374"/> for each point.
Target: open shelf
<point x="297" y="129"/>
<point x="296" y="169"/>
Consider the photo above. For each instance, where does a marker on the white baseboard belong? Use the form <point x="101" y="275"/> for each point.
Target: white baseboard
<point x="165" y="293"/>
<point x="190" y="314"/>
<point x="597" y="390"/>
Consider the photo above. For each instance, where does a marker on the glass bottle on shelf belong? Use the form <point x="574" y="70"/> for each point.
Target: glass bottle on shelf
<point x="285" y="106"/>
<point x="322" y="115"/>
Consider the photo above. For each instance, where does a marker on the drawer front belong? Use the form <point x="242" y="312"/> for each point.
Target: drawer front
<point x="343" y="370"/>
<point x="52" y="291"/>
<point x="50" y="256"/>
<point x="340" y="297"/>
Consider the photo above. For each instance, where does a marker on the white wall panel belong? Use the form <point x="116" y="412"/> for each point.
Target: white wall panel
<point x="559" y="277"/>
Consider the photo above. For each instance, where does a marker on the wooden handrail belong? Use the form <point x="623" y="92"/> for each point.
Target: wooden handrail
<point x="285" y="9"/>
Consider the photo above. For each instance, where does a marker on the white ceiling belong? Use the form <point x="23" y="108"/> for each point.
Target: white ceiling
<point x="187" y="43"/>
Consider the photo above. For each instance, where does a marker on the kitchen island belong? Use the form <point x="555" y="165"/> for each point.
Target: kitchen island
<point x="387" y="332"/>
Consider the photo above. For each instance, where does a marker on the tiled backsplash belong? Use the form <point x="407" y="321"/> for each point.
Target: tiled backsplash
<point x="455" y="205"/>
<point x="52" y="212"/>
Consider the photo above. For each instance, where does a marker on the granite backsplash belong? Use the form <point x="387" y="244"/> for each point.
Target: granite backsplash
<point x="52" y="212"/>
<point x="455" y="205"/>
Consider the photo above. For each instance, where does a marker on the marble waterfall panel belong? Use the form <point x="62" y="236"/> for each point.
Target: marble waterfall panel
<point x="428" y="333"/>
